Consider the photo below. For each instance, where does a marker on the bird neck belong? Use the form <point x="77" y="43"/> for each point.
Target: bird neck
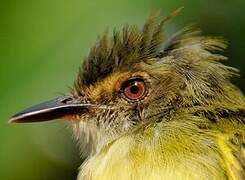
<point x="171" y="149"/>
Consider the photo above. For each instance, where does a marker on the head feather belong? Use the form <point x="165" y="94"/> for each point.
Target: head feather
<point x="124" y="49"/>
<point x="191" y="54"/>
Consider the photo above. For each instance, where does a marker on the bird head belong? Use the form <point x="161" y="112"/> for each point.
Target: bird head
<point x="136" y="78"/>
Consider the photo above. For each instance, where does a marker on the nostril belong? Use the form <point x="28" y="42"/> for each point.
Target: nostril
<point x="66" y="100"/>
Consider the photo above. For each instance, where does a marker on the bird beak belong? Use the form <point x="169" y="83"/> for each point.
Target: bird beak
<point x="66" y="107"/>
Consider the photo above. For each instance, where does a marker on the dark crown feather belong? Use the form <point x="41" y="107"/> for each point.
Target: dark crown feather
<point x="122" y="50"/>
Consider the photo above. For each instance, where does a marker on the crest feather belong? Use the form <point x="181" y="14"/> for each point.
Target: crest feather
<point x="131" y="46"/>
<point x="123" y="50"/>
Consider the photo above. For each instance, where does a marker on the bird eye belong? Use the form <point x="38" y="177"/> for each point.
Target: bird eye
<point x="134" y="89"/>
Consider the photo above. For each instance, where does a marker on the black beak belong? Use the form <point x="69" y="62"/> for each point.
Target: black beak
<point x="60" y="108"/>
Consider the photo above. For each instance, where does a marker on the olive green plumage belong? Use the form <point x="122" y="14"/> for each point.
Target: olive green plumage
<point x="189" y="126"/>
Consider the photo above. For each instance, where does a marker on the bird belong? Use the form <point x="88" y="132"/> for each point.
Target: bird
<point x="148" y="107"/>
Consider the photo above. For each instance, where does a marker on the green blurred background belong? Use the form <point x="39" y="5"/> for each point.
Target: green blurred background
<point x="42" y="43"/>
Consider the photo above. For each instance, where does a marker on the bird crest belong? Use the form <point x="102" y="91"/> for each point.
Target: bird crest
<point x="187" y="50"/>
<point x="123" y="49"/>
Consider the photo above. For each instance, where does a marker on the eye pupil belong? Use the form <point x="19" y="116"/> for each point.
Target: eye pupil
<point x="134" y="89"/>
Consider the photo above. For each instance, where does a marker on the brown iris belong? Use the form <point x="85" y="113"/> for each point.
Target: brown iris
<point x="134" y="89"/>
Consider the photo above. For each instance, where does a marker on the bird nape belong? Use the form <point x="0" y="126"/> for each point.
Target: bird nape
<point x="146" y="107"/>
